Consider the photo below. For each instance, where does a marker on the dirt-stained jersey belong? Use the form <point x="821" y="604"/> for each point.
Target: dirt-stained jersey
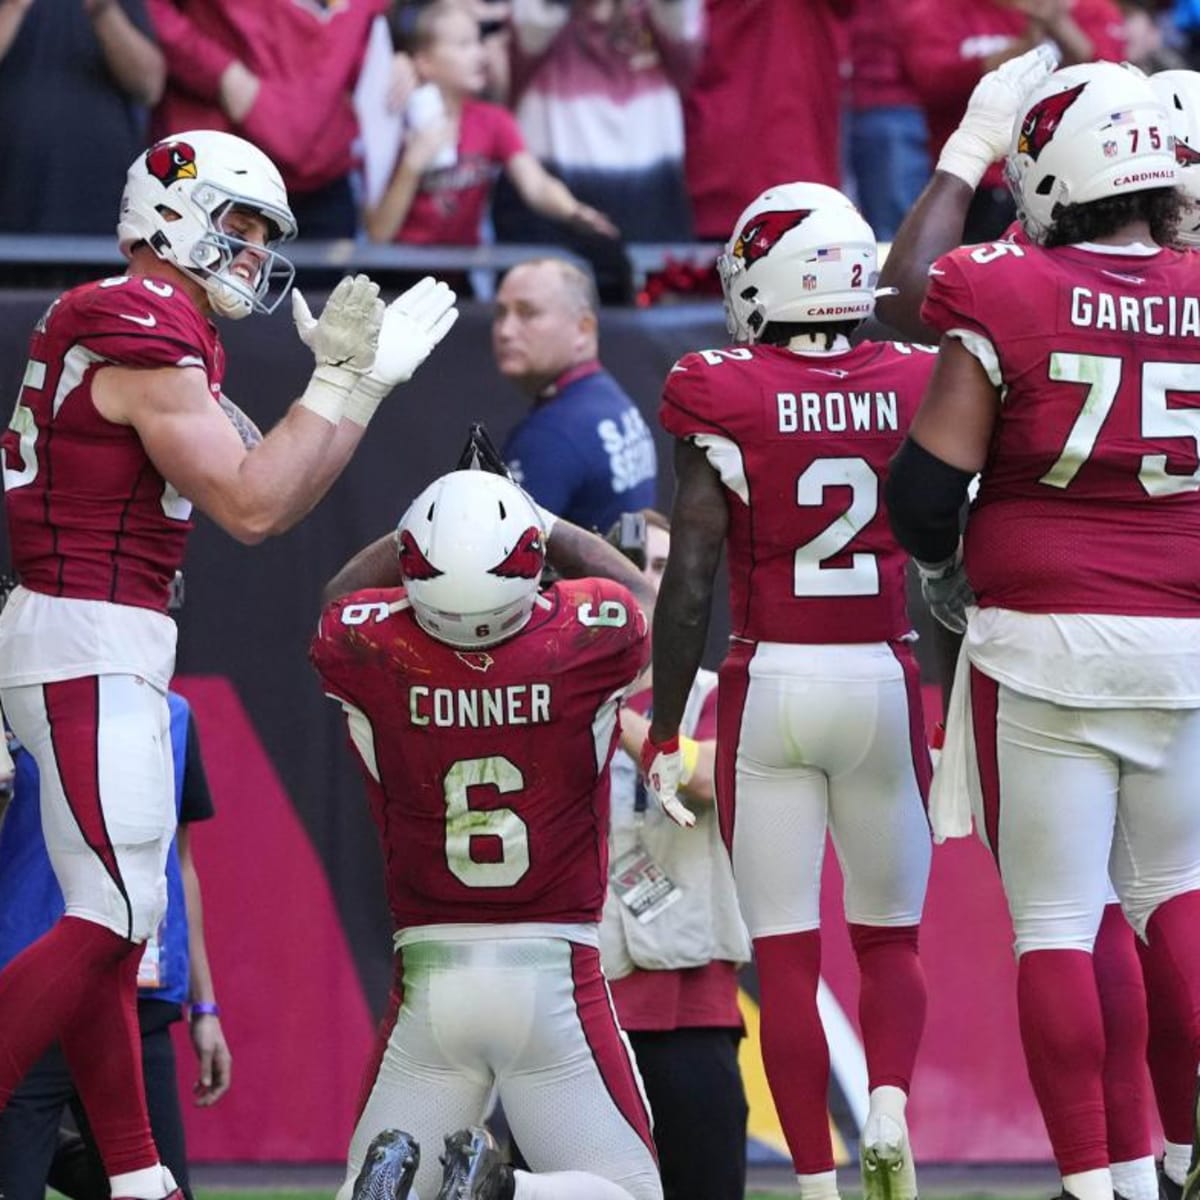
<point x="487" y="770"/>
<point x="802" y="444"/>
<point x="1090" y="498"/>
<point x="89" y="516"/>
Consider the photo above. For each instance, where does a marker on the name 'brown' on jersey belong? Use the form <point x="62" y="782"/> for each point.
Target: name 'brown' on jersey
<point x="802" y="444"/>
<point x="1090" y="498"/>
<point x="487" y="770"/>
<point x="89" y="516"/>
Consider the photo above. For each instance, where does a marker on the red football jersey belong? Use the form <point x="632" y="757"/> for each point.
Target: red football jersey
<point x="1090" y="497"/>
<point x="802" y="444"/>
<point x="88" y="515"/>
<point x="487" y="771"/>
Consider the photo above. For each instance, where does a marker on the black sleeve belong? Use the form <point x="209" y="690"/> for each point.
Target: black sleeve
<point x="196" y="803"/>
<point x="924" y="497"/>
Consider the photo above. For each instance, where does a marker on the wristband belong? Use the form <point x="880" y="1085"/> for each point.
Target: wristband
<point x="327" y="392"/>
<point x="366" y="397"/>
<point x="966" y="156"/>
<point x="203" y="1008"/>
<point x="689" y="755"/>
<point x="943" y="569"/>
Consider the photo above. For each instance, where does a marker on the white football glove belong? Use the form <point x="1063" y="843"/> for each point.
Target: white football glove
<point x="984" y="134"/>
<point x="343" y="340"/>
<point x="947" y="592"/>
<point x="412" y="325"/>
<point x="662" y="764"/>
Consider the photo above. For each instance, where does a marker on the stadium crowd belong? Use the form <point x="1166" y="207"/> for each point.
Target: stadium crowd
<point x="1036" y="465"/>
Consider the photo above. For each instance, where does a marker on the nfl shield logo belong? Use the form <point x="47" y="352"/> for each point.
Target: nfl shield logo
<point x="1110" y="149"/>
<point x="810" y="282"/>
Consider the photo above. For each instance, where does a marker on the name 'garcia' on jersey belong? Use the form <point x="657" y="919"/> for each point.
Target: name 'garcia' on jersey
<point x="837" y="412"/>
<point x="1159" y="316"/>
<point x="479" y="708"/>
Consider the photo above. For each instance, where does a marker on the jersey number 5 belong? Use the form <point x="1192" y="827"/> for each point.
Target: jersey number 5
<point x="465" y="825"/>
<point x="1102" y="375"/>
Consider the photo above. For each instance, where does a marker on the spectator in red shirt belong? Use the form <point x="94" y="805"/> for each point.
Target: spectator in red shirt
<point x="949" y="45"/>
<point x="889" y="144"/>
<point x="279" y="73"/>
<point x="779" y="61"/>
<point x="447" y="166"/>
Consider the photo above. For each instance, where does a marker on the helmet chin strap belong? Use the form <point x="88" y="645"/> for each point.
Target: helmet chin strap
<point x="227" y="300"/>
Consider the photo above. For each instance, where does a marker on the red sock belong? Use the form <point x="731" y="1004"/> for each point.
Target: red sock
<point x="1123" y="1008"/>
<point x="77" y="984"/>
<point x="1171" y="961"/>
<point x="41" y="989"/>
<point x="1062" y="1030"/>
<point x="104" y="1054"/>
<point x="891" y="1001"/>
<point x="794" y="1050"/>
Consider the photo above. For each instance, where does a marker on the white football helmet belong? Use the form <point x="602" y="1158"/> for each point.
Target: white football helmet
<point x="1180" y="92"/>
<point x="176" y="195"/>
<point x="800" y="252"/>
<point x="472" y="549"/>
<point x="1087" y="132"/>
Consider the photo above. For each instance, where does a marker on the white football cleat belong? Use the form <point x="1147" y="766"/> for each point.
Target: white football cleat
<point x="886" y="1159"/>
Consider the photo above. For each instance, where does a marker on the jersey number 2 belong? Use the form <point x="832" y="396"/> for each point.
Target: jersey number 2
<point x="860" y="576"/>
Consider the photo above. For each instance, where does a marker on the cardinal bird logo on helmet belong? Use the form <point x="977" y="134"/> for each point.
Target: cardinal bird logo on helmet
<point x="1185" y="156"/>
<point x="762" y="233"/>
<point x="169" y="162"/>
<point x="414" y="564"/>
<point x="1043" y="119"/>
<point x="526" y="559"/>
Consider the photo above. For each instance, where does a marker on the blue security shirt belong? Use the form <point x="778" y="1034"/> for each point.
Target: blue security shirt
<point x="585" y="452"/>
<point x="30" y="898"/>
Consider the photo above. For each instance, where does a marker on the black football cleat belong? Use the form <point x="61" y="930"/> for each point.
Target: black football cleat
<point x="472" y="1168"/>
<point x="389" y="1168"/>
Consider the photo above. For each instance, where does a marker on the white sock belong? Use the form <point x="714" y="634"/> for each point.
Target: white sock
<point x="1177" y="1157"/>
<point x="1090" y="1185"/>
<point x="821" y="1186"/>
<point x="150" y="1183"/>
<point x="885" y="1124"/>
<point x="1136" y="1179"/>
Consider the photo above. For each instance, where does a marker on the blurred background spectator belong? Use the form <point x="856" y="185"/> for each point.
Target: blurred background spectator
<point x="1147" y="37"/>
<point x="280" y="73"/>
<point x="76" y="79"/>
<point x="596" y="86"/>
<point x="949" y="44"/>
<point x="454" y="145"/>
<point x="889" y="144"/>
<point x="765" y="106"/>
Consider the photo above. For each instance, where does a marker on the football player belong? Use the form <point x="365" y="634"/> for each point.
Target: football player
<point x="118" y="430"/>
<point x="1080" y="681"/>
<point x="782" y="442"/>
<point x="483" y="712"/>
<point x="932" y="228"/>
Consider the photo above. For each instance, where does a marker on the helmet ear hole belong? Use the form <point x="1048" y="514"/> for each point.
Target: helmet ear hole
<point x="1046" y="186"/>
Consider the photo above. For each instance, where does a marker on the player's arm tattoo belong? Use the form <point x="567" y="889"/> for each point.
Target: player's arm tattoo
<point x="250" y="433"/>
